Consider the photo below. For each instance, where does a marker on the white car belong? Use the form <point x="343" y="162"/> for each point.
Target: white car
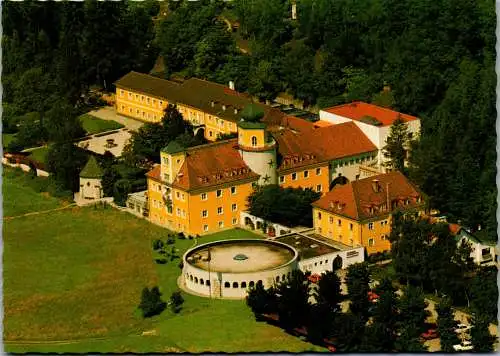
<point x="463" y="346"/>
<point x="461" y="328"/>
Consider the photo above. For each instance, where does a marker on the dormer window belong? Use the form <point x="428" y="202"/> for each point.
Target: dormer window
<point x="254" y="141"/>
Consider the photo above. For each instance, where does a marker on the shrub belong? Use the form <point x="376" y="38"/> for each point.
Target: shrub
<point x="15" y="146"/>
<point x="161" y="261"/>
<point x="151" y="303"/>
<point x="157" y="244"/>
<point x="170" y="240"/>
<point x="176" y="301"/>
<point x="121" y="190"/>
<point x="181" y="235"/>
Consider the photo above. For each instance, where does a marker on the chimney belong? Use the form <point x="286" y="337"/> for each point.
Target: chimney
<point x="223" y="107"/>
<point x="231" y="85"/>
<point x="212" y="103"/>
<point x="375" y="185"/>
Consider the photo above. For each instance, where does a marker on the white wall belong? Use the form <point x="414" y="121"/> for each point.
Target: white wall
<point x="324" y="263"/>
<point x="90" y="188"/>
<point x="268" y="278"/>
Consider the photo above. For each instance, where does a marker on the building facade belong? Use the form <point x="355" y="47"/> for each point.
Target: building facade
<point x="91" y="180"/>
<point x="373" y="120"/>
<point x="360" y="212"/>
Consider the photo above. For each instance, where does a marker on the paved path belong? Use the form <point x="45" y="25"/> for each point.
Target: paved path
<point x="109" y="113"/>
<point x="39" y="212"/>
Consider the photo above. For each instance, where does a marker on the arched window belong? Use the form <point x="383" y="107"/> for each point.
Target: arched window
<point x="202" y="282"/>
<point x="243" y="284"/>
<point x="207" y="283"/>
<point x="254" y="141"/>
<point x="283" y="278"/>
<point x="259" y="281"/>
<point x="277" y="279"/>
<point x="251" y="284"/>
<point x="191" y="277"/>
<point x="235" y="284"/>
<point x="195" y="279"/>
<point x="227" y="285"/>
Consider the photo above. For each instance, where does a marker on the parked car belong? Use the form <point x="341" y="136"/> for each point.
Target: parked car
<point x="430" y="334"/>
<point x="463" y="346"/>
<point x="461" y="328"/>
<point x="373" y="297"/>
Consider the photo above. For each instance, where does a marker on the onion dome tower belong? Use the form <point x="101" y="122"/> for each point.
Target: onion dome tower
<point x="256" y="145"/>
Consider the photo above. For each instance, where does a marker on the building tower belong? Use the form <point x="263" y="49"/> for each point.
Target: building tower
<point x="256" y="146"/>
<point x="91" y="180"/>
<point x="172" y="159"/>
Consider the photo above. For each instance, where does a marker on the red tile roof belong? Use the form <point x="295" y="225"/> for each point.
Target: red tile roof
<point x="210" y="165"/>
<point x="358" y="110"/>
<point x="323" y="144"/>
<point x="454" y="228"/>
<point x="359" y="201"/>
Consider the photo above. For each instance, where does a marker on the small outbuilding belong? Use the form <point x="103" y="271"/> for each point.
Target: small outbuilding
<point x="91" y="180"/>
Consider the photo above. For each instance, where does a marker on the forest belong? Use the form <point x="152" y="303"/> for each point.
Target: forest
<point x="436" y="58"/>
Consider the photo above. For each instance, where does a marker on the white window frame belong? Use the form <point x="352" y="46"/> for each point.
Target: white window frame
<point x="371" y="242"/>
<point x="318" y="171"/>
<point x="370" y="226"/>
<point x="204" y="196"/>
<point x="233" y="190"/>
<point x="220" y="210"/>
<point x="306" y="174"/>
<point x="204" y="213"/>
<point x="282" y="179"/>
<point x="319" y="188"/>
<point x="218" y="193"/>
<point x="221" y="224"/>
<point x="205" y="227"/>
<point x="294" y="176"/>
<point x="234" y="207"/>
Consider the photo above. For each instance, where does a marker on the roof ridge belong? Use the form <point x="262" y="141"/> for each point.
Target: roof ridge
<point x="356" y="198"/>
<point x="211" y="144"/>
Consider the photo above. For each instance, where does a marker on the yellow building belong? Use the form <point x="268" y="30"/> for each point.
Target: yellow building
<point x="212" y="107"/>
<point x="203" y="189"/>
<point x="359" y="213"/>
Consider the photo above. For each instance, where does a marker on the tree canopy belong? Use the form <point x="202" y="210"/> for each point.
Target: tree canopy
<point x="286" y="206"/>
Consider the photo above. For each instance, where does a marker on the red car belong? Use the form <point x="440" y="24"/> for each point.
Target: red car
<point x="430" y="334"/>
<point x="373" y="297"/>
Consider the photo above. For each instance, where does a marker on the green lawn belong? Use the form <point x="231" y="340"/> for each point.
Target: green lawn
<point x="94" y="125"/>
<point x="19" y="196"/>
<point x="7" y="138"/>
<point x="39" y="154"/>
<point x="77" y="275"/>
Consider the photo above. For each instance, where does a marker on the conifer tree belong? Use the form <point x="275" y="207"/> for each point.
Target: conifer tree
<point x="446" y="326"/>
<point x="481" y="339"/>
<point x="396" y="145"/>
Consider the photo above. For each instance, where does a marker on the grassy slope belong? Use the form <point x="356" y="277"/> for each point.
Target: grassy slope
<point x="94" y="125"/>
<point x="19" y="198"/>
<point x="78" y="274"/>
<point x="39" y="154"/>
<point x="7" y="138"/>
